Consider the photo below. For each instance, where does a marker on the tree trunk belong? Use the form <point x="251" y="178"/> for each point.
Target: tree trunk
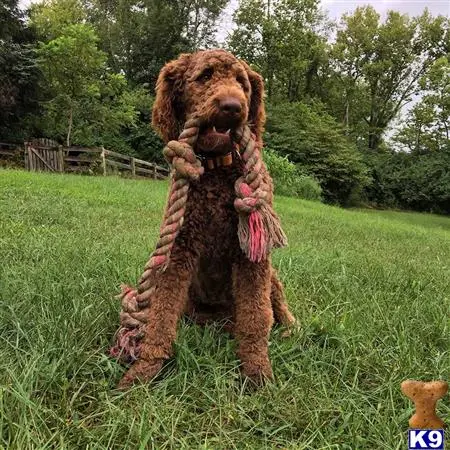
<point x="346" y="118"/>
<point x="446" y="129"/>
<point x="374" y="140"/>
<point x="310" y="74"/>
<point x="268" y="62"/>
<point x="69" y="130"/>
<point x="269" y="85"/>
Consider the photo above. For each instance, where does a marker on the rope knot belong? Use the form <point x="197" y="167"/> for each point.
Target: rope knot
<point x="259" y="228"/>
<point x="181" y="157"/>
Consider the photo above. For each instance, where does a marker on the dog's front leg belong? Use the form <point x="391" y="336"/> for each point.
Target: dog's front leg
<point x="254" y="317"/>
<point x="166" y="307"/>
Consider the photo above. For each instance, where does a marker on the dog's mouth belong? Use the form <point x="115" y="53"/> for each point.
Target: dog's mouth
<point x="215" y="139"/>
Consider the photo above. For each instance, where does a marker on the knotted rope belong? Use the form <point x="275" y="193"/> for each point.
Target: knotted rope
<point x="181" y="157"/>
<point x="259" y="228"/>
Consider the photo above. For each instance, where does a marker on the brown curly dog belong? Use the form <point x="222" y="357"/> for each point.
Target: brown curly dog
<point x="209" y="278"/>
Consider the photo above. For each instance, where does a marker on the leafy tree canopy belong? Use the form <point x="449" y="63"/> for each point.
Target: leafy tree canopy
<point x="84" y="97"/>
<point x="387" y="59"/>
<point x="428" y="126"/>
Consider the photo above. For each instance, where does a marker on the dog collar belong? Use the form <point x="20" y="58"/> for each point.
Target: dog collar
<point x="211" y="163"/>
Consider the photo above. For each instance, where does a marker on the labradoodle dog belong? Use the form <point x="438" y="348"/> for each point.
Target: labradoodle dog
<point x="209" y="277"/>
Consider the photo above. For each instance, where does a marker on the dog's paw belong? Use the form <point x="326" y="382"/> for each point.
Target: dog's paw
<point x="141" y="371"/>
<point x="258" y="375"/>
<point x="290" y="320"/>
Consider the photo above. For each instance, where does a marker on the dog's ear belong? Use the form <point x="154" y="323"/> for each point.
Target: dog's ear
<point x="168" y="110"/>
<point x="257" y="112"/>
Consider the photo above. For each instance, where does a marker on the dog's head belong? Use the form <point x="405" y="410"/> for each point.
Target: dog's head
<point x="222" y="91"/>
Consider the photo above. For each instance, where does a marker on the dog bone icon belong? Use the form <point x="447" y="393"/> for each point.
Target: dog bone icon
<point x="425" y="396"/>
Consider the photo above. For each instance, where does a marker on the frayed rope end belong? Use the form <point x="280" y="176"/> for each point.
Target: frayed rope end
<point x="259" y="232"/>
<point x="127" y="345"/>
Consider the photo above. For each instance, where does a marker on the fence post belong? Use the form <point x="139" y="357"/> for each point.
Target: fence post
<point x="60" y="158"/>
<point x="31" y="164"/>
<point x="154" y="171"/>
<point x="103" y="161"/>
<point x="25" y="155"/>
<point x="133" y="167"/>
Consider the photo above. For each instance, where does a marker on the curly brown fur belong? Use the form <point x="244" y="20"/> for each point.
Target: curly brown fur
<point x="208" y="277"/>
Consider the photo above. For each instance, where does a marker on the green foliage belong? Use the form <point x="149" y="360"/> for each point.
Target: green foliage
<point x="278" y="38"/>
<point x="312" y="138"/>
<point x="428" y="126"/>
<point x="419" y="179"/>
<point x="140" y="36"/>
<point x="387" y="59"/>
<point x="87" y="105"/>
<point x="141" y="136"/>
<point x="50" y="17"/>
<point x="72" y="66"/>
<point x="289" y="180"/>
<point x="11" y="19"/>
<point x="19" y="75"/>
<point x="404" y="180"/>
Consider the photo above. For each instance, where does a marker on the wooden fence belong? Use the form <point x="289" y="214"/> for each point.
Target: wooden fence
<point x="138" y="167"/>
<point x="47" y="155"/>
<point x="9" y="151"/>
<point x="43" y="155"/>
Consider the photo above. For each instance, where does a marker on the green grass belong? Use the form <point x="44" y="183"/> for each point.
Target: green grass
<point x="370" y="290"/>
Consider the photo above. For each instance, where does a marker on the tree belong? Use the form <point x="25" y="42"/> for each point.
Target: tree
<point x="310" y="137"/>
<point x="410" y="180"/>
<point x="427" y="126"/>
<point x="388" y="59"/>
<point x="18" y="71"/>
<point x="140" y="36"/>
<point x="51" y="17"/>
<point x="85" y="100"/>
<point x="279" y="37"/>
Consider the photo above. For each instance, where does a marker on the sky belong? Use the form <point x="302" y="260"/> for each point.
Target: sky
<point x="413" y="7"/>
<point x="336" y="8"/>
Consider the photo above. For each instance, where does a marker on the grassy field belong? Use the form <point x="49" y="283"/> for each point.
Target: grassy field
<point x="370" y="289"/>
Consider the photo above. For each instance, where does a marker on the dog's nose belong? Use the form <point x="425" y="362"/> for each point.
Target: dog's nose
<point x="230" y="105"/>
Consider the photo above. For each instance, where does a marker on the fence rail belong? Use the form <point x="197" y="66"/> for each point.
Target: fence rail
<point x="9" y="149"/>
<point x="133" y="165"/>
<point x="47" y="155"/>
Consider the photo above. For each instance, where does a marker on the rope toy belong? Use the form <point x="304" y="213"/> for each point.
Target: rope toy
<point x="259" y="228"/>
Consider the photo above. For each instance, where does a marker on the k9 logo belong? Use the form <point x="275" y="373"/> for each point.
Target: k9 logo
<point x="426" y="439"/>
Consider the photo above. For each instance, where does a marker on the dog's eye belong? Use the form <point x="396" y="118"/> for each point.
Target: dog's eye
<point x="205" y="75"/>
